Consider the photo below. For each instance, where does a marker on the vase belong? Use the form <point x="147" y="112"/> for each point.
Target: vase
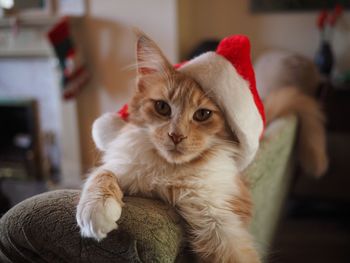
<point x="324" y="58"/>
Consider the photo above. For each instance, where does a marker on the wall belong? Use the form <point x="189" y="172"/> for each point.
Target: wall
<point x="201" y="19"/>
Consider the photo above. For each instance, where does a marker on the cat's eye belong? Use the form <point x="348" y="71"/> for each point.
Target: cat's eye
<point x="162" y="107"/>
<point x="202" y="115"/>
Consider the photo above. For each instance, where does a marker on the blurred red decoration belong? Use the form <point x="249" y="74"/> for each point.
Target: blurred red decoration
<point x="124" y="113"/>
<point x="337" y="12"/>
<point x="322" y="19"/>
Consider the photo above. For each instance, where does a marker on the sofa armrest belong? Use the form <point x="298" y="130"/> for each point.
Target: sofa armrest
<point x="269" y="176"/>
<point x="43" y="229"/>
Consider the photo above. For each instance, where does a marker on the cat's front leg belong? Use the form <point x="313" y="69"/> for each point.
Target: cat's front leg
<point x="100" y="204"/>
<point x="216" y="234"/>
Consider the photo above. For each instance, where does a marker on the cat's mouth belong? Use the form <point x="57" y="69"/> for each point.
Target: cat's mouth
<point x="175" y="153"/>
<point x="175" y="150"/>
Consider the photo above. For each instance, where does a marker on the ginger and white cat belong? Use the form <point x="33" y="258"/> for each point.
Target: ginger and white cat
<point x="288" y="82"/>
<point x="177" y="147"/>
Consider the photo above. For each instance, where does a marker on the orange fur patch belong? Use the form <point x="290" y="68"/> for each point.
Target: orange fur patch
<point x="242" y="203"/>
<point x="106" y="185"/>
<point x="312" y="135"/>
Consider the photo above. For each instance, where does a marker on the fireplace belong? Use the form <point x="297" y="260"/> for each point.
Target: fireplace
<point x="39" y="134"/>
<point x="20" y="140"/>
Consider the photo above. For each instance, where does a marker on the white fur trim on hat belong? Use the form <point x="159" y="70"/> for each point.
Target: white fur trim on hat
<point x="220" y="80"/>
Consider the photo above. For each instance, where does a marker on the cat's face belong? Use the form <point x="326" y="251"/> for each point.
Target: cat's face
<point x="181" y="121"/>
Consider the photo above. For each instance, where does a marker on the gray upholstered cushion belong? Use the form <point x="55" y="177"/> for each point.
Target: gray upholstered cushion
<point x="43" y="229"/>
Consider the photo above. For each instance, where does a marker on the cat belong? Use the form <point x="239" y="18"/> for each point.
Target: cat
<point x="176" y="146"/>
<point x="311" y="145"/>
<point x="287" y="83"/>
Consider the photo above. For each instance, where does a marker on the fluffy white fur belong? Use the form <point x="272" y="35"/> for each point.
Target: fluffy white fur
<point x="193" y="191"/>
<point x="221" y="81"/>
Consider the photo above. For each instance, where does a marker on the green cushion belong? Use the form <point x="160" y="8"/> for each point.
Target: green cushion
<point x="269" y="176"/>
<point x="43" y="229"/>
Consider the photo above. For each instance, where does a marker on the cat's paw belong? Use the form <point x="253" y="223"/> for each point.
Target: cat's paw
<point x="98" y="217"/>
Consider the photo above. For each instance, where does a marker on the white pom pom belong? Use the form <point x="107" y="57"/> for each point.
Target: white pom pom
<point x="105" y="129"/>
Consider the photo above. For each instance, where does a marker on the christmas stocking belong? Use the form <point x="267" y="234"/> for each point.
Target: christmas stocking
<point x="74" y="73"/>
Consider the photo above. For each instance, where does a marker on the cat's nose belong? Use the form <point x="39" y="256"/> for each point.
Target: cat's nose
<point x="176" y="138"/>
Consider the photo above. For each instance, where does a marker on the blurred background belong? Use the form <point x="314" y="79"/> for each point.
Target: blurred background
<point x="65" y="62"/>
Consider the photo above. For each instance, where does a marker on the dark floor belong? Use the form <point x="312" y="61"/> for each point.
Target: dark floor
<point x="312" y="238"/>
<point x="315" y="226"/>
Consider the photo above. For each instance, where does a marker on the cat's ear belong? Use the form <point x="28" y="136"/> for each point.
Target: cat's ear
<point x="150" y="59"/>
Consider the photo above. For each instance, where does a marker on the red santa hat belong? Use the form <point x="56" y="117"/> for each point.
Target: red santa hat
<point x="227" y="76"/>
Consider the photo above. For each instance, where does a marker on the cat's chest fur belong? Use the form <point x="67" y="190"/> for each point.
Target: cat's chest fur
<point x="141" y="171"/>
